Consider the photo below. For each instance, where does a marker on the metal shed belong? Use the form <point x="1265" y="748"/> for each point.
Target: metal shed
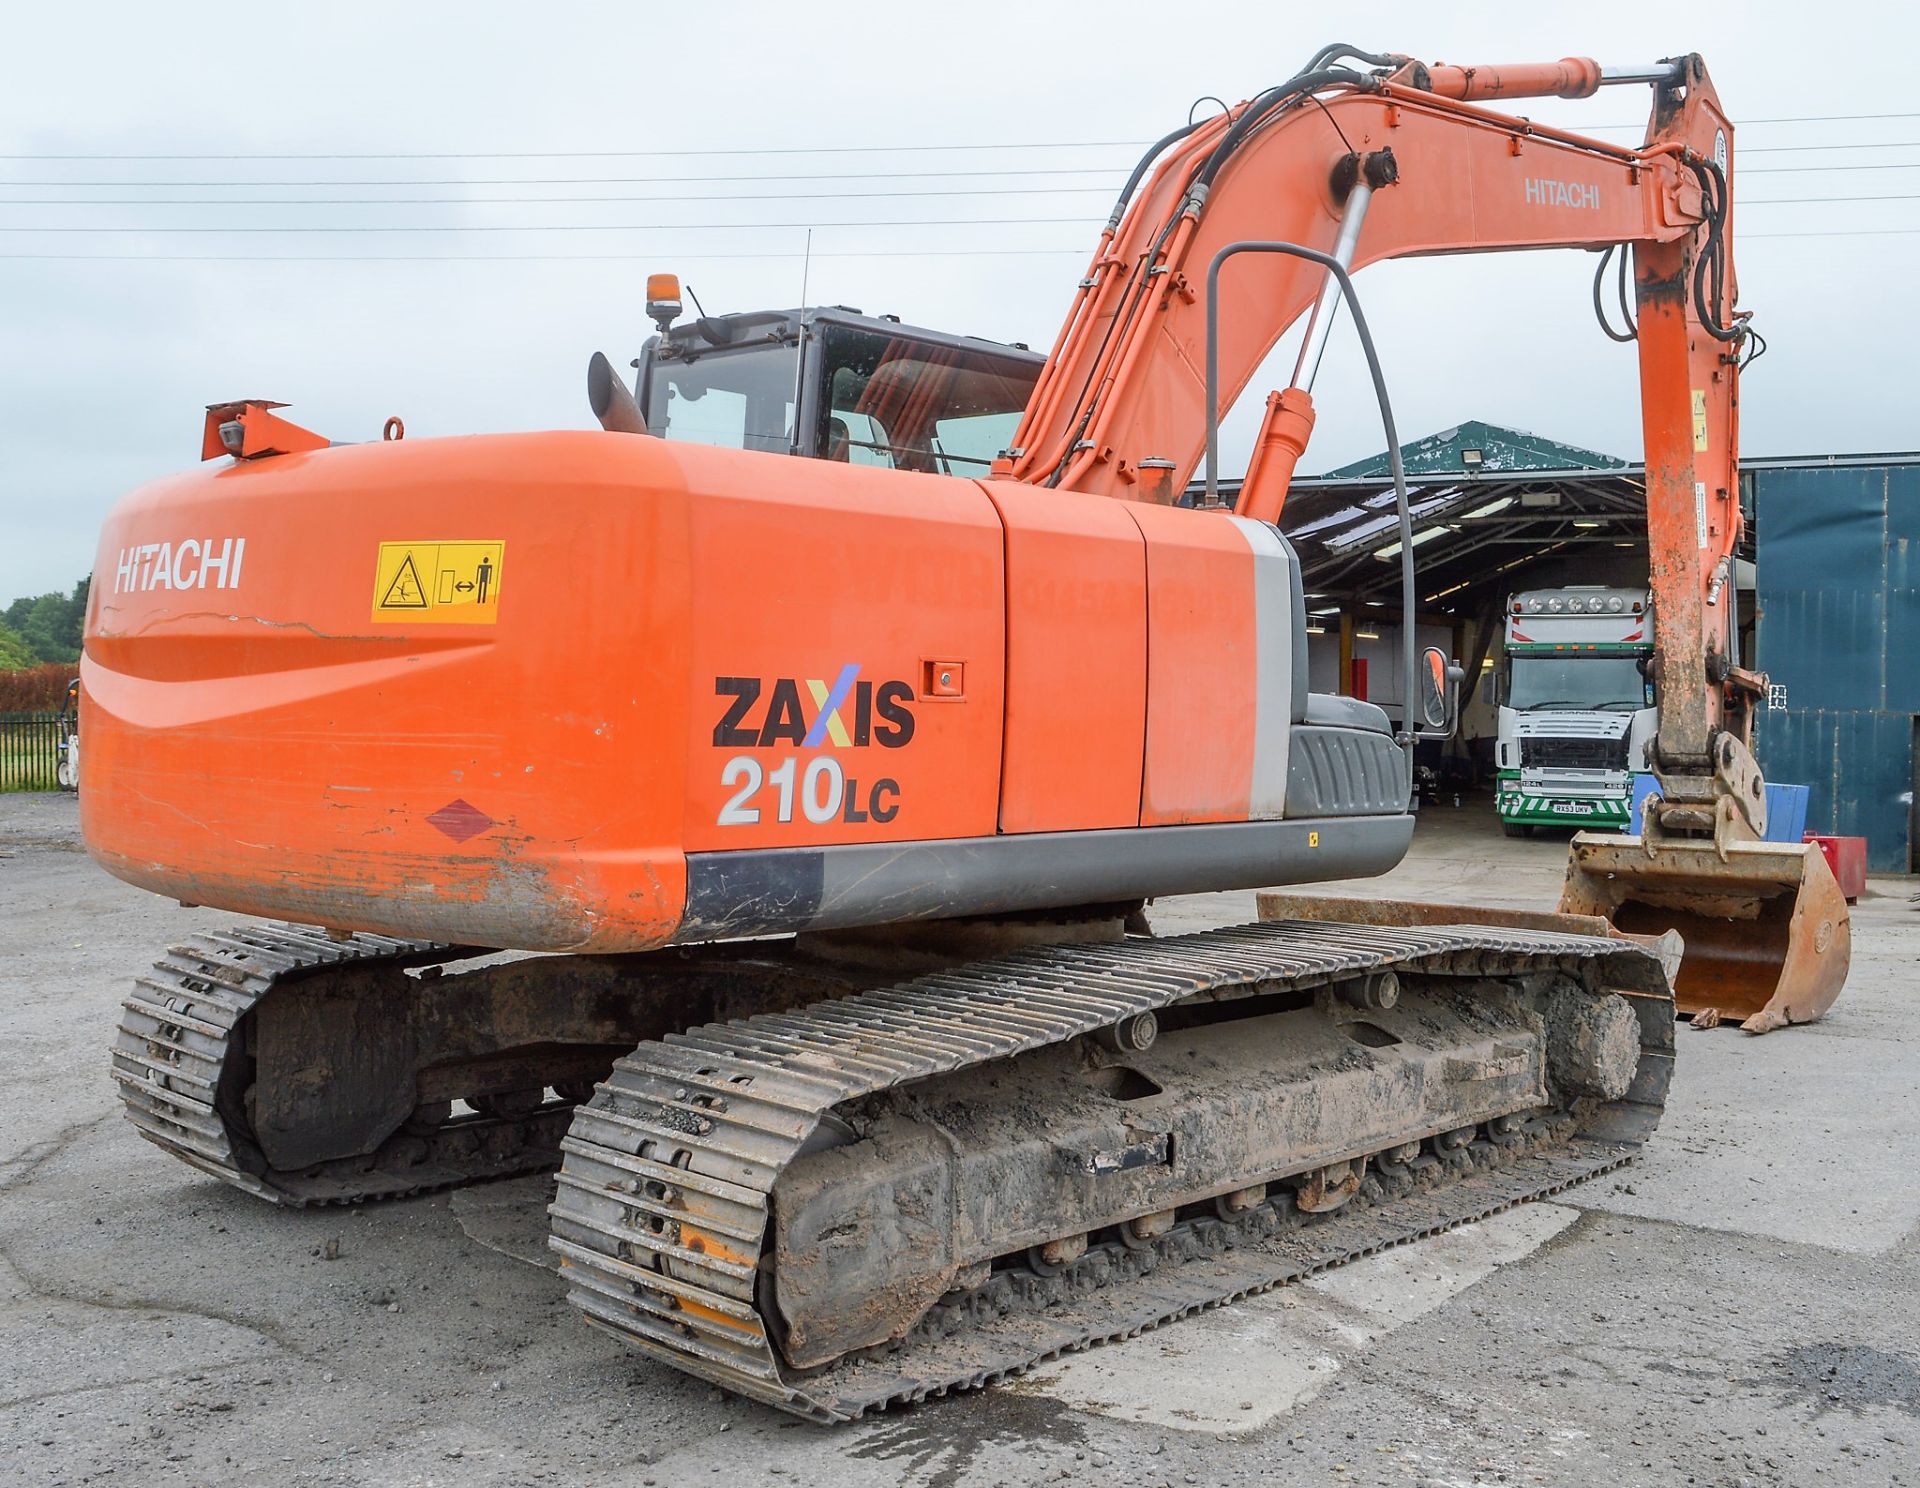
<point x="1839" y="638"/>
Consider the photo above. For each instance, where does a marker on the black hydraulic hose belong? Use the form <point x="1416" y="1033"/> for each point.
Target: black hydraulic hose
<point x="1315" y="76"/>
<point x="1319" y="61"/>
<point x="1599" y="302"/>
<point x="1408" y="593"/>
<point x="1327" y="54"/>
<point x="1627" y="317"/>
<point x="1171" y="137"/>
<point x="1264" y="104"/>
<point x="1713" y="190"/>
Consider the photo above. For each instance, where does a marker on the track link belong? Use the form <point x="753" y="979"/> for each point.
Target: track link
<point x="661" y="1217"/>
<point x="182" y="1036"/>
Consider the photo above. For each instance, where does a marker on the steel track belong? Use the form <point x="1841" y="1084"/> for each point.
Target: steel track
<point x="661" y="1217"/>
<point x="183" y="1031"/>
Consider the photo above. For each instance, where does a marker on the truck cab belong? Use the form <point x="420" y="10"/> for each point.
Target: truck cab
<point x="1577" y="711"/>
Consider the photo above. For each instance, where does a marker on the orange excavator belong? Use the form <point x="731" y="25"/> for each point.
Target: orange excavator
<point x="818" y="729"/>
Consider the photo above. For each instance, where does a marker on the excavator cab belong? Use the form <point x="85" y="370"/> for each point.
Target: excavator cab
<point x="830" y="383"/>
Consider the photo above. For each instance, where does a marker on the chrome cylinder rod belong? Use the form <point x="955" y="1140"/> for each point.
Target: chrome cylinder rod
<point x="1313" y="345"/>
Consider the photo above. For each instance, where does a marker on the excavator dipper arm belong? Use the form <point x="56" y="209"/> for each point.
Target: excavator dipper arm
<point x="1402" y="161"/>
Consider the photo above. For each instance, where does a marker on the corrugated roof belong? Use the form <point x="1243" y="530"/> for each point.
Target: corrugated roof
<point x="1499" y="449"/>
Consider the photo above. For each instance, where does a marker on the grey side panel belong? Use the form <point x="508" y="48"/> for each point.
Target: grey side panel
<point x="773" y="890"/>
<point x="1336" y="711"/>
<point x="1345" y="772"/>
<point x="1276" y="620"/>
<point x="1297" y="712"/>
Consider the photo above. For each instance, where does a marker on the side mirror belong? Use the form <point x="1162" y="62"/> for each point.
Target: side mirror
<point x="1439" y="687"/>
<point x="1496" y="689"/>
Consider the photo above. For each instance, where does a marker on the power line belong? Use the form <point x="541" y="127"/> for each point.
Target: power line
<point x="461" y="201"/>
<point x="1789" y="201"/>
<point x="1778" y="170"/>
<point x="545" y="227"/>
<point x="1802" y="149"/>
<point x="781" y="149"/>
<point x="847" y="175"/>
<point x="492" y="227"/>
<point x="861" y="175"/>
<point x="1783" y="119"/>
<point x="1115" y="171"/>
<point x="700" y="256"/>
<point x="1077" y="252"/>
<point x="616" y="154"/>
<point x="1839" y="232"/>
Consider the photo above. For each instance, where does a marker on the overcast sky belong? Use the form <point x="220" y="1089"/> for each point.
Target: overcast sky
<point x="111" y="341"/>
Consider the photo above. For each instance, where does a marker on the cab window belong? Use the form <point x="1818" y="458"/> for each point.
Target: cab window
<point x="738" y="399"/>
<point x="917" y="405"/>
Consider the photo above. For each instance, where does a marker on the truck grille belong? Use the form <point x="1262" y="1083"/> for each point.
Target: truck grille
<point x="1573" y="754"/>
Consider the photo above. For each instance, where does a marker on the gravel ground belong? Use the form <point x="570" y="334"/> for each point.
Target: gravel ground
<point x="1736" y="1308"/>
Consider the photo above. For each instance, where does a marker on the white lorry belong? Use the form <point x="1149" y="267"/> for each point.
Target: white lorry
<point x="1576" y="707"/>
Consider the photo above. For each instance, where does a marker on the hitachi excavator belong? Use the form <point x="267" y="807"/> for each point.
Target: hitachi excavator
<point x="823" y="721"/>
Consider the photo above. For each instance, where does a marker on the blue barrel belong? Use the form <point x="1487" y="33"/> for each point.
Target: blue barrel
<point x="1786" y="808"/>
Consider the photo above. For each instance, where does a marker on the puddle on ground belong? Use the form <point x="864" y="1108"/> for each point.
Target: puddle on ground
<point x="942" y="1444"/>
<point x="1847" y="1377"/>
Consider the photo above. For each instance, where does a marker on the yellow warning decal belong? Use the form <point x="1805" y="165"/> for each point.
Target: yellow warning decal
<point x="1699" y="421"/>
<point x="438" y="583"/>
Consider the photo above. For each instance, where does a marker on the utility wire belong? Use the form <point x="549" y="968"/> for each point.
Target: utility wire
<point x="1778" y="170"/>
<point x="1114" y="170"/>
<point x="536" y="201"/>
<point x="496" y="227"/>
<point x="856" y="175"/>
<point x="702" y="255"/>
<point x="614" y="154"/>
<point x="543" y="227"/>
<point x="461" y="201"/>
<point x="1802" y="149"/>
<point x="777" y="150"/>
<point x="1783" y="119"/>
<point x="1076" y="252"/>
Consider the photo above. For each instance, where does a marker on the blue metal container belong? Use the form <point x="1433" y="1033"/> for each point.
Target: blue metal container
<point x="1838" y="634"/>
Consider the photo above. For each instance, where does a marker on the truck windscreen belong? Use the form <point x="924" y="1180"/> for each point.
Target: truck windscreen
<point x="1575" y="680"/>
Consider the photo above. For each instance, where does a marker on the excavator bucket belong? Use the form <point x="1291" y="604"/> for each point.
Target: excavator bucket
<point x="1765" y="925"/>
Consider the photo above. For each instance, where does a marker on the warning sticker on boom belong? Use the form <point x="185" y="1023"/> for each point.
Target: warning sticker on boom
<point x="438" y="583"/>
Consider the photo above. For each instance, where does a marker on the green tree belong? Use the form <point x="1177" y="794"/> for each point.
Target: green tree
<point x="15" y="655"/>
<point x="77" y="615"/>
<point x="45" y="628"/>
<point x="49" y="625"/>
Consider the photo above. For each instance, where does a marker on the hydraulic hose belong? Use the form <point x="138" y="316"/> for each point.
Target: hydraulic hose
<point x="1713" y="190"/>
<point x="1403" y="509"/>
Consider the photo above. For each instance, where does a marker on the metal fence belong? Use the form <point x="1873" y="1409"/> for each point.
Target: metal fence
<point x="29" y="751"/>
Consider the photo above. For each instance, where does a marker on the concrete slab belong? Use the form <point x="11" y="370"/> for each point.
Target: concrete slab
<point x="1796" y="1136"/>
<point x="1237" y="1369"/>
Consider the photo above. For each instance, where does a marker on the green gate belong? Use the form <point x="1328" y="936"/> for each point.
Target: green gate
<point x="29" y="751"/>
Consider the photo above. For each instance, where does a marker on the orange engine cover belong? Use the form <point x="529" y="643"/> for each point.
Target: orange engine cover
<point x="504" y="690"/>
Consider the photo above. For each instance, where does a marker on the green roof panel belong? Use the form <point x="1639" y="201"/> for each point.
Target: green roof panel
<point x="1446" y="453"/>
